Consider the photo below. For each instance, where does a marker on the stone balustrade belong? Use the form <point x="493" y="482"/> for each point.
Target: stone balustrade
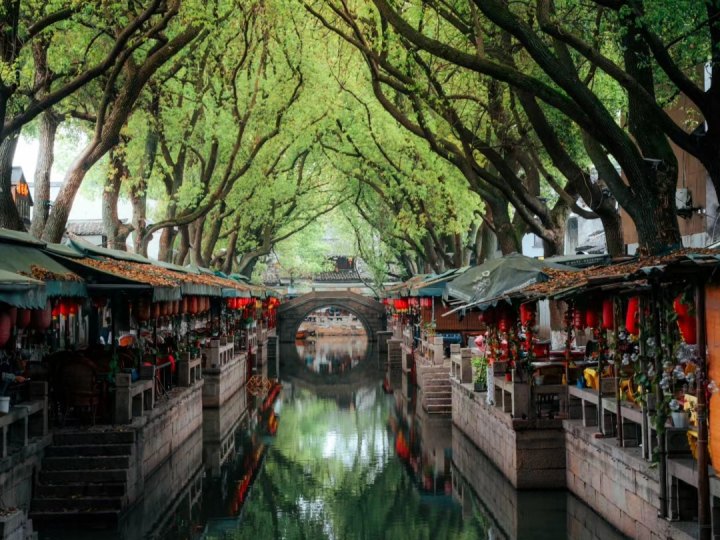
<point x="26" y="420"/>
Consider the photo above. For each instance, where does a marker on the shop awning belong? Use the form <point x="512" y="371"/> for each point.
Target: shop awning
<point x="22" y="254"/>
<point x="21" y="291"/>
<point x="490" y="281"/>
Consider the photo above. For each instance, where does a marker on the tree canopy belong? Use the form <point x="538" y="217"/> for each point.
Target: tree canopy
<point x="429" y="132"/>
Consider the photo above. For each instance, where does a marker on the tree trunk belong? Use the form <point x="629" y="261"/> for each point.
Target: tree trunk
<point x="214" y="233"/>
<point x="230" y="254"/>
<point x="612" y="224"/>
<point x="196" y="231"/>
<point x="115" y="231"/>
<point x="184" y="247"/>
<point x="57" y="220"/>
<point x="487" y="244"/>
<point x="138" y="196"/>
<point x="507" y="238"/>
<point x="9" y="217"/>
<point x="49" y="123"/>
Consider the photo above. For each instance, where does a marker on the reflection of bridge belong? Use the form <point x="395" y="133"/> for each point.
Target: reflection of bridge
<point x="369" y="311"/>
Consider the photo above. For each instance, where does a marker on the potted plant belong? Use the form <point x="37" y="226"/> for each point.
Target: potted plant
<point x="480" y="365"/>
<point x="679" y="415"/>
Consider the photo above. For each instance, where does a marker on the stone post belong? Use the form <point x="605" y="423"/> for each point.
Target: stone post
<point x="123" y="401"/>
<point x="183" y="367"/>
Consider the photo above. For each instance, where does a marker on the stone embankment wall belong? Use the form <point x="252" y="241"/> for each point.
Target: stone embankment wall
<point x="163" y="431"/>
<point x="530" y="453"/>
<point x="17" y="473"/>
<point x="621" y="486"/>
<point x="221" y="383"/>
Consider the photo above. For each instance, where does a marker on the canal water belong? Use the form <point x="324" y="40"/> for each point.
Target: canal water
<point x="340" y="456"/>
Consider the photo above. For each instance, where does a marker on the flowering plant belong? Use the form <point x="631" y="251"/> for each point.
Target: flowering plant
<point x="675" y="405"/>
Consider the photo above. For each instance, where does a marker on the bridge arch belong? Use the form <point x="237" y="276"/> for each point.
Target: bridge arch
<point x="369" y="311"/>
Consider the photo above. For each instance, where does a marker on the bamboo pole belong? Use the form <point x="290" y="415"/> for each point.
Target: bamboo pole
<point x="704" y="521"/>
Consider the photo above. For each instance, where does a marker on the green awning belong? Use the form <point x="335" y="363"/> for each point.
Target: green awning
<point x="64" y="250"/>
<point x="21" y="291"/>
<point x="91" y="250"/>
<point x="24" y="258"/>
<point x="19" y="237"/>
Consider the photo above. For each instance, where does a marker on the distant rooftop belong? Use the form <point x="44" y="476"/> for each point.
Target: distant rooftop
<point x="337" y="276"/>
<point x="87" y="227"/>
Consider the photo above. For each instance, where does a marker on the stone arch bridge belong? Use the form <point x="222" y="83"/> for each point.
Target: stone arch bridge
<point x="369" y="311"/>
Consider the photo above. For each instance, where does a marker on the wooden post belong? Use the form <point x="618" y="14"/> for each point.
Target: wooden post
<point x="617" y="313"/>
<point x="704" y="522"/>
<point x="657" y="305"/>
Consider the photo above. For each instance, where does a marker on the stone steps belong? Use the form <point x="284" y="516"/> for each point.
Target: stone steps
<point x="89" y="476"/>
<point x="101" y="519"/>
<point x="438" y="409"/>
<point x="90" y="463"/>
<point x="108" y="489"/>
<point x="75" y="438"/>
<point x="84" y="478"/>
<point x="74" y="450"/>
<point x="78" y="504"/>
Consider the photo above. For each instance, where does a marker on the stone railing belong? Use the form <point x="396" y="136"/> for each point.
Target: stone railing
<point x="189" y="369"/>
<point x="461" y="367"/>
<point x="133" y="398"/>
<point x="25" y="420"/>
<point x="430" y="351"/>
<point x="218" y="354"/>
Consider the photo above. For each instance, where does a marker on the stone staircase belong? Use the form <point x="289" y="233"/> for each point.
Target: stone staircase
<point x="84" y="478"/>
<point x="436" y="389"/>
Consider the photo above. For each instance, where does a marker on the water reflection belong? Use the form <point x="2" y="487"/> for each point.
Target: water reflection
<point x="342" y="461"/>
<point x="332" y="472"/>
<point x="488" y="497"/>
<point x="332" y="354"/>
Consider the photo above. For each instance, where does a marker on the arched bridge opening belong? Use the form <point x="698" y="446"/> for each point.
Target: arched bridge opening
<point x="291" y="315"/>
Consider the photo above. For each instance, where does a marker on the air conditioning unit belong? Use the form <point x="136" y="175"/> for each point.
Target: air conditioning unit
<point x="683" y="199"/>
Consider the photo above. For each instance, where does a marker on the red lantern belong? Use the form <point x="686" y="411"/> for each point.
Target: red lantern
<point x="527" y="314"/>
<point x="42" y="318"/>
<point x="184" y="304"/>
<point x="687" y="323"/>
<point x="426" y="302"/>
<point x="24" y="316"/>
<point x="6" y="325"/>
<point x="579" y="318"/>
<point x="193" y="305"/>
<point x="64" y="308"/>
<point x="591" y="318"/>
<point x="142" y="310"/>
<point x="400" y="305"/>
<point x="155" y="313"/>
<point x="682" y="309"/>
<point x="72" y="308"/>
<point x="506" y="320"/>
<point x="631" y="318"/>
<point x="608" y="314"/>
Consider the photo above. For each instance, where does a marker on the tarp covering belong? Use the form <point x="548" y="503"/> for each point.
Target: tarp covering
<point x="92" y="250"/>
<point x="19" y="237"/>
<point x="497" y="277"/>
<point x="29" y="260"/>
<point x="21" y="291"/>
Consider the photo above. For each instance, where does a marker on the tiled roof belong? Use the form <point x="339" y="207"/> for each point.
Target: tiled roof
<point x="337" y="276"/>
<point x="87" y="227"/>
